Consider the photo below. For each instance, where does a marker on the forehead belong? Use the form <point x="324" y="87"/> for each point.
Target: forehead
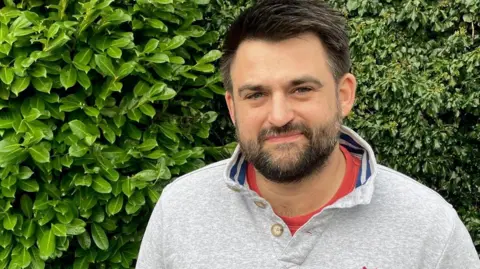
<point x="272" y="62"/>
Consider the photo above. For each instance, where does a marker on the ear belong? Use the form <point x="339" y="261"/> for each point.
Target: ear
<point x="347" y="88"/>
<point x="230" y="105"/>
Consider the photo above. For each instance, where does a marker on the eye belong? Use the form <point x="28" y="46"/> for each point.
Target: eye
<point x="302" y="90"/>
<point x="255" y="96"/>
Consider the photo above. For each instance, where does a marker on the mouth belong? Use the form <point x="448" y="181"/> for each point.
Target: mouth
<point x="284" y="138"/>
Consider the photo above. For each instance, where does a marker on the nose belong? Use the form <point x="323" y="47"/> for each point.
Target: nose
<point x="281" y="111"/>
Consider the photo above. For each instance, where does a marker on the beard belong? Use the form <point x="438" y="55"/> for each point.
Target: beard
<point x="292" y="162"/>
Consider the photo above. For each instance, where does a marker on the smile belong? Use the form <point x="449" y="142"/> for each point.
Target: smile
<point x="285" y="138"/>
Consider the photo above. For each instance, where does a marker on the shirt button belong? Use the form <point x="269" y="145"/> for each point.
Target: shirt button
<point x="260" y="204"/>
<point x="277" y="230"/>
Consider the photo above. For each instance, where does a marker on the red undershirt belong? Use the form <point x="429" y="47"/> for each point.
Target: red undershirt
<point x="347" y="186"/>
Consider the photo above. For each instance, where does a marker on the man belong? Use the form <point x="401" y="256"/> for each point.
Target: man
<point x="301" y="190"/>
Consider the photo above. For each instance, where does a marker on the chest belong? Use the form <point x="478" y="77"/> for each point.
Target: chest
<point x="242" y="239"/>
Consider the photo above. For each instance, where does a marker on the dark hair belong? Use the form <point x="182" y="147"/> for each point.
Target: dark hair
<point x="276" y="20"/>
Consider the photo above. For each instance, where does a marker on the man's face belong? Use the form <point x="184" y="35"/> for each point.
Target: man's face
<point x="285" y="106"/>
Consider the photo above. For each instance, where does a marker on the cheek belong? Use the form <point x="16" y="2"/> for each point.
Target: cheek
<point x="249" y="122"/>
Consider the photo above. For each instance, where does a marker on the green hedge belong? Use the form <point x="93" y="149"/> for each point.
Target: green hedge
<point x="102" y="102"/>
<point x="418" y="66"/>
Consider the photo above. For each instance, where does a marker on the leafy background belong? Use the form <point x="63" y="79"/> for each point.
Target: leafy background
<point x="103" y="103"/>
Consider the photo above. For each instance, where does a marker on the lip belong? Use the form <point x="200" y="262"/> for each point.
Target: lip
<point x="285" y="138"/>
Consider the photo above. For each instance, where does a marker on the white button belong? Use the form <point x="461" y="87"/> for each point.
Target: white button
<point x="260" y="204"/>
<point x="277" y="230"/>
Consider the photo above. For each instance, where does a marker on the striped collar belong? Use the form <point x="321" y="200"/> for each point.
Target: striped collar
<point x="236" y="170"/>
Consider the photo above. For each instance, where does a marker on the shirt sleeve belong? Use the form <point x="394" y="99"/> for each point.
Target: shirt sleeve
<point x="459" y="252"/>
<point x="151" y="248"/>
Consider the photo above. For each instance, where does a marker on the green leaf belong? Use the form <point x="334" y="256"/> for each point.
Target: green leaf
<point x="141" y="88"/>
<point x="33" y="115"/>
<point x="84" y="240"/>
<point x="39" y="71"/>
<point x="59" y="229"/>
<point x="25" y="172"/>
<point x="146" y="175"/>
<point x="7" y="75"/>
<point x="137" y="199"/>
<point x="115" y="205"/>
<point x="151" y="45"/>
<point x="158" y="58"/>
<point x="30" y="185"/>
<point x="41" y="201"/>
<point x="193" y="31"/>
<point x="37" y="262"/>
<point x="157" y="24"/>
<point x="5" y="48"/>
<point x="61" y="40"/>
<point x="47" y="244"/>
<point x="79" y="129"/>
<point x="84" y="80"/>
<point x="22" y="259"/>
<point x="148" y="110"/>
<point x="71" y="103"/>
<point x="5" y="239"/>
<point x="42" y="84"/>
<point x="39" y="153"/>
<point x="3" y="31"/>
<point x="167" y="94"/>
<point x="100" y="185"/>
<point x="211" y="56"/>
<point x="6" y="122"/>
<point x="78" y="150"/>
<point x="126" y="69"/>
<point x="131" y="208"/>
<point x="91" y="111"/>
<point x="153" y="195"/>
<point x="76" y="227"/>
<point x="205" y="68"/>
<point x="147" y="145"/>
<point x="53" y="30"/>
<point x="9" y="221"/>
<point x="174" y="43"/>
<point x="177" y="60"/>
<point x="83" y="57"/>
<point x="99" y="236"/>
<point x="127" y="187"/>
<point x="81" y="263"/>
<point x="68" y="76"/>
<point x="20" y="84"/>
<point x="29" y="228"/>
<point x="105" y="65"/>
<point x="119" y="120"/>
<point x="114" y="52"/>
<point x="82" y="180"/>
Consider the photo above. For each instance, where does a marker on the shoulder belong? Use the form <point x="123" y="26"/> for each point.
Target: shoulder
<point x="199" y="184"/>
<point x="401" y="185"/>
<point x="413" y="200"/>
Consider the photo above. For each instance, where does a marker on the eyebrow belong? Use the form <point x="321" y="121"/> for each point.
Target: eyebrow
<point x="292" y="83"/>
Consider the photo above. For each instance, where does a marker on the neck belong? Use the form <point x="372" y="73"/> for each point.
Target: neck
<point x="308" y="194"/>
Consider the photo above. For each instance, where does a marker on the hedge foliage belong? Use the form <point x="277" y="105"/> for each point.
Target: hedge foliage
<point x="418" y="66"/>
<point x="102" y="102"/>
